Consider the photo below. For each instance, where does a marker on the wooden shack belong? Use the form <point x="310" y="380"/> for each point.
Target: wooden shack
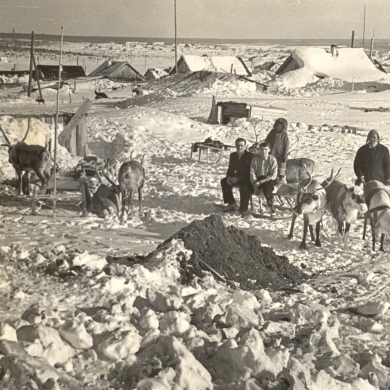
<point x="228" y="110"/>
<point x="50" y="72"/>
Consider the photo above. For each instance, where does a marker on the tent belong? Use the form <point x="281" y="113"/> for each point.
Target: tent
<point x="121" y="70"/>
<point x="222" y="64"/>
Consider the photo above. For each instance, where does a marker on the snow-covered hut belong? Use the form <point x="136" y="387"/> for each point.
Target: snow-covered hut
<point x="120" y="70"/>
<point x="348" y="64"/>
<point x="155" y="73"/>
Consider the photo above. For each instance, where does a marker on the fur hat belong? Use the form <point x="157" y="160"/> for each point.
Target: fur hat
<point x="372" y="132"/>
<point x="283" y="121"/>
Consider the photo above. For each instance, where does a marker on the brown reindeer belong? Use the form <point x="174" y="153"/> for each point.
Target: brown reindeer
<point x="28" y="158"/>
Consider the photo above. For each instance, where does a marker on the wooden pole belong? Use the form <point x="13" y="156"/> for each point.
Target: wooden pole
<point x="372" y="43"/>
<point x="31" y="65"/>
<point x="364" y="24"/>
<point x="37" y="75"/>
<point x="371" y="47"/>
<point x="353" y="38"/>
<point x="175" y="37"/>
<point x="56" y="129"/>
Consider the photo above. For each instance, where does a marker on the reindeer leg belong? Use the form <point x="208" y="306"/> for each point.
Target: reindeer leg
<point x="318" y="227"/>
<point x="43" y="181"/>
<point x="305" y="225"/>
<point x="346" y="236"/>
<point x="340" y="231"/>
<point x="124" y="197"/>
<point x="19" y="173"/>
<point x="140" y="198"/>
<point x="373" y="236"/>
<point x="311" y="229"/>
<point x="130" y="204"/>
<point x="382" y="242"/>
<point x="291" y="235"/>
<point x="364" y="226"/>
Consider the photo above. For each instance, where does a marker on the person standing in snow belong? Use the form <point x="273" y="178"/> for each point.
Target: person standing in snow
<point x="372" y="161"/>
<point x="238" y="176"/>
<point x="279" y="142"/>
<point x="263" y="173"/>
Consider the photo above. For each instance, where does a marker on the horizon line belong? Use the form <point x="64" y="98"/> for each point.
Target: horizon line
<point x="37" y="35"/>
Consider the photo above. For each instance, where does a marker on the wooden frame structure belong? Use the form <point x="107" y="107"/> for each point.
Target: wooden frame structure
<point x="209" y="150"/>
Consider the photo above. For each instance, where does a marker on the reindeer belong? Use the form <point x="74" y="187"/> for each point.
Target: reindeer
<point x="295" y="173"/>
<point x="131" y="178"/>
<point x="100" y="95"/>
<point x="311" y="202"/>
<point x="28" y="158"/>
<point x="378" y="201"/>
<point x="104" y="199"/>
<point x="344" y="203"/>
<point x="296" y="169"/>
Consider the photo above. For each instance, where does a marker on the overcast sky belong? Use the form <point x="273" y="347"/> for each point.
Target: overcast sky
<point x="256" y="19"/>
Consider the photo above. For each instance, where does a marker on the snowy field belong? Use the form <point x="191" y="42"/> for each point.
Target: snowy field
<point x="80" y="308"/>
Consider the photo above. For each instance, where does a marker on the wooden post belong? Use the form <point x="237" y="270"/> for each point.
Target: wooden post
<point x="372" y="44"/>
<point x="364" y="24"/>
<point x="37" y="75"/>
<point x="353" y="38"/>
<point x="175" y="37"/>
<point x="371" y="47"/>
<point x="56" y="128"/>
<point x="31" y="65"/>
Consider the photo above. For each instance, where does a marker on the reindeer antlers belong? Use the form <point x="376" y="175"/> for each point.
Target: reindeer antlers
<point x="332" y="177"/>
<point x="304" y="189"/>
<point x="6" y="138"/>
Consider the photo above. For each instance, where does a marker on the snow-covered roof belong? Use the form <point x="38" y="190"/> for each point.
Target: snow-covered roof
<point x="348" y="64"/>
<point x="108" y="68"/>
<point x="221" y="64"/>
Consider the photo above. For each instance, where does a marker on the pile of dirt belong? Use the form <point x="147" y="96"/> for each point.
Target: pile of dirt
<point x="235" y="255"/>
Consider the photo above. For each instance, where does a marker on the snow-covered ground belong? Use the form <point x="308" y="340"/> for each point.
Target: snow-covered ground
<point x="79" y="308"/>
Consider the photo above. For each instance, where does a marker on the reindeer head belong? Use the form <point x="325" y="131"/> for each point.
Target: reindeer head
<point x="356" y="198"/>
<point x="12" y="147"/>
<point x="312" y="194"/>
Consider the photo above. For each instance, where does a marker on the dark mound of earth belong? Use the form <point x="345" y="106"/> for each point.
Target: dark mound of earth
<point x="236" y="256"/>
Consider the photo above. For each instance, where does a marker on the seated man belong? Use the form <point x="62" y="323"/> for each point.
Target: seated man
<point x="238" y="176"/>
<point x="263" y="174"/>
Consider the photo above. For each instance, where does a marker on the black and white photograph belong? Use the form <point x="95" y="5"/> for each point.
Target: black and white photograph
<point x="194" y="195"/>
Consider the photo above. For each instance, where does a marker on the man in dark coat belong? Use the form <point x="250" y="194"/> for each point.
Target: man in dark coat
<point x="238" y="175"/>
<point x="372" y="161"/>
<point x="279" y="142"/>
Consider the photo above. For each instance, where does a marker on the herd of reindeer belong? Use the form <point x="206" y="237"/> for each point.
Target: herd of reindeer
<point x="312" y="197"/>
